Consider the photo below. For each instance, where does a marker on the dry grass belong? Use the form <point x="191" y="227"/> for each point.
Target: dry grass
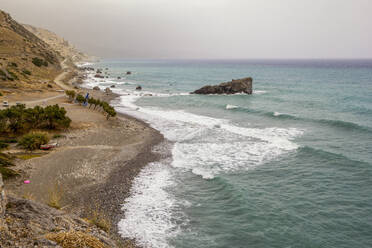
<point x="99" y="219"/>
<point x="55" y="197"/>
<point x="28" y="196"/>
<point x="28" y="156"/>
<point x="75" y="239"/>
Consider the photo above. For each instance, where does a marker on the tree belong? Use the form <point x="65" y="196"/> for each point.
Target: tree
<point x="80" y="99"/>
<point x="91" y="101"/>
<point x="71" y="94"/>
<point x="33" y="141"/>
<point x="54" y="116"/>
<point x="15" y="116"/>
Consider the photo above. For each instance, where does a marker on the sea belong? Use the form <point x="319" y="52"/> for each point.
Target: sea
<point x="288" y="166"/>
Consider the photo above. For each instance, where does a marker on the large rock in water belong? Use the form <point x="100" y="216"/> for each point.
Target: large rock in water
<point x="235" y="86"/>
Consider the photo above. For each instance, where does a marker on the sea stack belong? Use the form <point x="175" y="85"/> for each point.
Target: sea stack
<point x="243" y="85"/>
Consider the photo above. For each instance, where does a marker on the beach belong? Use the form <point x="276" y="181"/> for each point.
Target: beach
<point x="94" y="164"/>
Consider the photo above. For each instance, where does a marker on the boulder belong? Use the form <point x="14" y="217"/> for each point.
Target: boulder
<point x="108" y="90"/>
<point x="99" y="76"/>
<point x="139" y="87"/>
<point x="119" y="77"/>
<point x="235" y="86"/>
<point x="129" y="72"/>
<point x="113" y="86"/>
<point x="96" y="88"/>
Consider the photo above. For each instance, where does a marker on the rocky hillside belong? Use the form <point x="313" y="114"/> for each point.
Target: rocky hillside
<point x="62" y="46"/>
<point x="25" y="60"/>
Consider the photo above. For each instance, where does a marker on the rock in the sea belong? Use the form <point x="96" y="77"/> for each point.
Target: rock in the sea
<point x="96" y="88"/>
<point x="113" y="86"/>
<point x="235" y="86"/>
<point x="139" y="87"/>
<point x="108" y="90"/>
<point x="129" y="72"/>
<point x="119" y="77"/>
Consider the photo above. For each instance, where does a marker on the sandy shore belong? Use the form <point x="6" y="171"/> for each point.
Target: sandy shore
<point x="94" y="164"/>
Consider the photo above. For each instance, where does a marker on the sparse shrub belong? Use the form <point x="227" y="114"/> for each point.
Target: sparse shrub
<point x="7" y="173"/>
<point x="50" y="86"/>
<point x="57" y="136"/>
<point x="75" y="239"/>
<point x="33" y="141"/>
<point x="99" y="219"/>
<point x="13" y="76"/>
<point x="13" y="64"/>
<point x="55" y="197"/>
<point x="1" y="94"/>
<point x="3" y="145"/>
<point x="39" y="62"/>
<point x="27" y="72"/>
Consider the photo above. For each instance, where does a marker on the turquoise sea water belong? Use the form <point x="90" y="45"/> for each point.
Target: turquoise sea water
<point x="289" y="166"/>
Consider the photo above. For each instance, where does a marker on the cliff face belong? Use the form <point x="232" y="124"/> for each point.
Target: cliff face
<point x="63" y="47"/>
<point x="24" y="58"/>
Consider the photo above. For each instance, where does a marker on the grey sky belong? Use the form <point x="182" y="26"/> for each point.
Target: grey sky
<point x="206" y="28"/>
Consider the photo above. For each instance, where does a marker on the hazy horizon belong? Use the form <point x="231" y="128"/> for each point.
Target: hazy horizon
<point x="219" y="29"/>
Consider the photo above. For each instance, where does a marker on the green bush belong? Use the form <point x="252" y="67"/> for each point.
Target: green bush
<point x="27" y="72"/>
<point x="80" y="99"/>
<point x="14" y="76"/>
<point x="39" y="62"/>
<point x="3" y="145"/>
<point x="33" y="141"/>
<point x="13" y="64"/>
<point x="58" y="136"/>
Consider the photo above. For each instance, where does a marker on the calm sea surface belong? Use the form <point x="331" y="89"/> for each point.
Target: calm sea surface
<point x="289" y="166"/>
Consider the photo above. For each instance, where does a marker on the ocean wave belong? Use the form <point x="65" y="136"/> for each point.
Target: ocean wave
<point x="208" y="146"/>
<point x="329" y="122"/>
<point x="148" y="210"/>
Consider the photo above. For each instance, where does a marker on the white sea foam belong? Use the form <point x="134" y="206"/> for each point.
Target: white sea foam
<point x="259" y="92"/>
<point x="203" y="145"/>
<point x="148" y="211"/>
<point x="229" y="106"/>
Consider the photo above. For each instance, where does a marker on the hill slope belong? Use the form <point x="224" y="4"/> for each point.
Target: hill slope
<point x="25" y="60"/>
<point x="63" y="47"/>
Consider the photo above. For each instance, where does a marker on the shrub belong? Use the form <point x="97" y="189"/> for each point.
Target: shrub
<point x="39" y="62"/>
<point x="15" y="116"/>
<point x="57" y="136"/>
<point x="8" y="173"/>
<point x="27" y="72"/>
<point x="14" y="76"/>
<point x="1" y="94"/>
<point x="3" y="145"/>
<point x="33" y="141"/>
<point x="76" y="239"/>
<point x="13" y="64"/>
<point x="55" y="197"/>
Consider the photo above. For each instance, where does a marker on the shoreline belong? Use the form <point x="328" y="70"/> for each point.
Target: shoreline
<point x="95" y="164"/>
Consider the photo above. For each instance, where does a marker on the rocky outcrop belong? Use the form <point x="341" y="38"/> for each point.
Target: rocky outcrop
<point x="235" y="86"/>
<point x="96" y="88"/>
<point x="30" y="224"/>
<point x="139" y="87"/>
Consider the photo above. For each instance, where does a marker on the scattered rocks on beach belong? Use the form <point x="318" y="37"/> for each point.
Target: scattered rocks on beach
<point x="139" y="87"/>
<point x="108" y="90"/>
<point x="113" y="86"/>
<point x="235" y="86"/>
<point x="96" y="88"/>
<point x="99" y="76"/>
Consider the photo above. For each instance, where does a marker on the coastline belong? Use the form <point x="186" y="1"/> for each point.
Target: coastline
<point x="94" y="165"/>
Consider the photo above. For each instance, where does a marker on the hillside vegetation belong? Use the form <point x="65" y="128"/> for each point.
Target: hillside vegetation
<point x="26" y="62"/>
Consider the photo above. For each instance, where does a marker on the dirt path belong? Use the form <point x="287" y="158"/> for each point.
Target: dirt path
<point x="58" y="79"/>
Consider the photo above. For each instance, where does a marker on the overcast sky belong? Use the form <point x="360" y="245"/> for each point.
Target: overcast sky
<point x="206" y="28"/>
